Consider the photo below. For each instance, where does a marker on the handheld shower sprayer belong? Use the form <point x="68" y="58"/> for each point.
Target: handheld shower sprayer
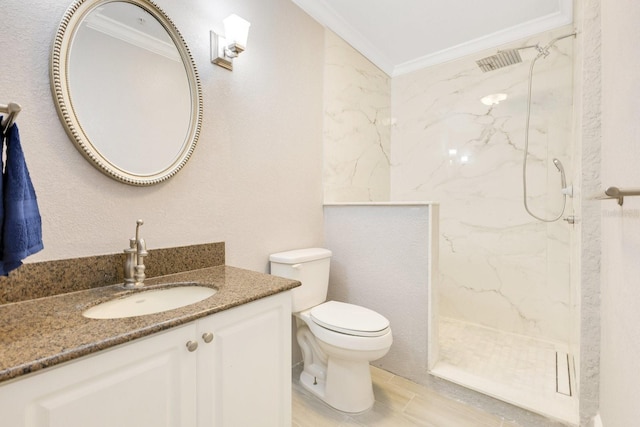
<point x="567" y="190"/>
<point x="560" y="168"/>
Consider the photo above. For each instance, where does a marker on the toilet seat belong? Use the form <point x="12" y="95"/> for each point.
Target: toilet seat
<point x="349" y="319"/>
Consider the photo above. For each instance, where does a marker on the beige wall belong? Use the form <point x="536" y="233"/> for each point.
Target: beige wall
<point x="255" y="179"/>
<point x="620" y="350"/>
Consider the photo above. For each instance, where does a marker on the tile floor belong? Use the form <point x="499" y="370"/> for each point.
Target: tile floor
<point x="399" y="403"/>
<point x="514" y="368"/>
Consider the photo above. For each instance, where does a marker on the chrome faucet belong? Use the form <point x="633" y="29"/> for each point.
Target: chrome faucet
<point x="134" y="261"/>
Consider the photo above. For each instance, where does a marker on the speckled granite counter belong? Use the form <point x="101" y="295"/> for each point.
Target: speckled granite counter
<point x="47" y="331"/>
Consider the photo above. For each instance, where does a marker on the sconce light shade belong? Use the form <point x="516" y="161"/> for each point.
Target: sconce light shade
<point x="236" y="30"/>
<point x="228" y="46"/>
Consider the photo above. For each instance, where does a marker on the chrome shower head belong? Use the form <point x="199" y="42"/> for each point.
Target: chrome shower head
<point x="501" y="59"/>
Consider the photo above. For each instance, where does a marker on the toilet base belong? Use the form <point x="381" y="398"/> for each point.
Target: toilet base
<point x="347" y="387"/>
<point x="339" y="376"/>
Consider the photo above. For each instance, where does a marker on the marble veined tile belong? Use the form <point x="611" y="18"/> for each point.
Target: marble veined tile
<point x="499" y="266"/>
<point x="356" y="126"/>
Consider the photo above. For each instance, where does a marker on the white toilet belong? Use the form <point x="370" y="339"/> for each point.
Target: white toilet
<point x="337" y="340"/>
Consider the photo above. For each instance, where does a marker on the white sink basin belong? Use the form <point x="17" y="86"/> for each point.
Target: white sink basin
<point x="149" y="302"/>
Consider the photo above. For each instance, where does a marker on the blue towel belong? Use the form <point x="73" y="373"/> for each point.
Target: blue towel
<point x="21" y="233"/>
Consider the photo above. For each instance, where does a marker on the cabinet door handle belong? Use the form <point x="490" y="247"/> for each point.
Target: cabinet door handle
<point x="207" y="337"/>
<point x="192" y="345"/>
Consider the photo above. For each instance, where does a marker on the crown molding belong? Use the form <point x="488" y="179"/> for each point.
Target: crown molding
<point x="549" y="22"/>
<point x="329" y="18"/>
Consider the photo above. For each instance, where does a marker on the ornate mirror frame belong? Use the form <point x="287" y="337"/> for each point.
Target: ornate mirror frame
<point x="60" y="86"/>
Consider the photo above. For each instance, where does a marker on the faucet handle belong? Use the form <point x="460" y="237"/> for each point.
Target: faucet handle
<point x="132" y="246"/>
<point x="142" y="248"/>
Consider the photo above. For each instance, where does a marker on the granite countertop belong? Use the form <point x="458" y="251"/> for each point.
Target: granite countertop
<point x="43" y="332"/>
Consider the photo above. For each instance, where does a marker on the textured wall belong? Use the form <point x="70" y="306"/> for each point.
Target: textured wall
<point x="382" y="260"/>
<point x="586" y="259"/>
<point x="255" y="179"/>
<point x="357" y="105"/>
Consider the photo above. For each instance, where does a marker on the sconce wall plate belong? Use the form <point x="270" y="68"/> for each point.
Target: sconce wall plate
<point x="218" y="56"/>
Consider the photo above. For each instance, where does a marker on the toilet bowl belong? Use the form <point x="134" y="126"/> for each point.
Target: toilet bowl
<point x="338" y="372"/>
<point x="337" y="340"/>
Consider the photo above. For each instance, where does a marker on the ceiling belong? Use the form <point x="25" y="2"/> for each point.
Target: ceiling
<point x="400" y="36"/>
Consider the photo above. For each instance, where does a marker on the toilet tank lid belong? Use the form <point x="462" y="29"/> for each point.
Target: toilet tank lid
<point x="300" y="255"/>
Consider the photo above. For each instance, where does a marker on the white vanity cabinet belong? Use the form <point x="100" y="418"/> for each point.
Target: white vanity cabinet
<point x="244" y="373"/>
<point x="149" y="382"/>
<point x="240" y="377"/>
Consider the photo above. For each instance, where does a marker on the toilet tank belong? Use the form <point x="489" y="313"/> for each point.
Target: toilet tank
<point x="310" y="267"/>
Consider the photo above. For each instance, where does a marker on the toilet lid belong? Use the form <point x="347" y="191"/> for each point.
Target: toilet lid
<point x="349" y="319"/>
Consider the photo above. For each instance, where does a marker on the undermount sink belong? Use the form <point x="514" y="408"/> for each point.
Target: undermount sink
<point x="149" y="302"/>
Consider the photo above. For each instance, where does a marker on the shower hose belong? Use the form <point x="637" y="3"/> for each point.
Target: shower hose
<point x="543" y="52"/>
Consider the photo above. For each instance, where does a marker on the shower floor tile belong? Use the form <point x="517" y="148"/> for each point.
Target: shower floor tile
<point x="513" y="368"/>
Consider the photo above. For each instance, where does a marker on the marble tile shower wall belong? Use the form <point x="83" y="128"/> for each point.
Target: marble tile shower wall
<point x="357" y="107"/>
<point x="499" y="267"/>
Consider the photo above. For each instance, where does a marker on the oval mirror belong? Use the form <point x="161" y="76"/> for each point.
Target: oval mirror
<point x="126" y="89"/>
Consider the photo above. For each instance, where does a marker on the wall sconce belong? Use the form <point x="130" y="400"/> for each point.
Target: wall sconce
<point x="228" y="46"/>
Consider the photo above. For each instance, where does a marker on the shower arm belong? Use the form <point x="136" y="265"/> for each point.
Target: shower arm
<point x="531" y="46"/>
<point x="544" y="51"/>
<point x="552" y="42"/>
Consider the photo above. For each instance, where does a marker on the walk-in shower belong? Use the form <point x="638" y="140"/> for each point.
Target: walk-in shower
<point x="505" y="321"/>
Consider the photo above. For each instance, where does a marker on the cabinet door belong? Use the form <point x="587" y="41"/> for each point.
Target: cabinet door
<point x="244" y="373"/>
<point x="150" y="382"/>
